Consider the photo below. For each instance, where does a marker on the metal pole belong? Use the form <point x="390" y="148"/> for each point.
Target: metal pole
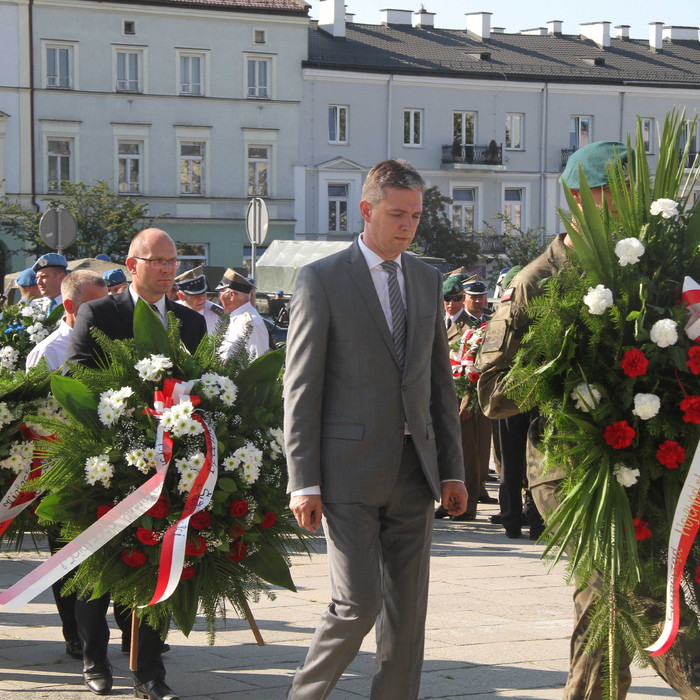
<point x="59" y="238"/>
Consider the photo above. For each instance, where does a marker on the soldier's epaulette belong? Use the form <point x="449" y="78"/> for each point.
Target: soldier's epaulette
<point x="216" y="309"/>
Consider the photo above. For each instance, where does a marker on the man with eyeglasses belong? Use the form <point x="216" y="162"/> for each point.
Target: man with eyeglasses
<point x="152" y="262"/>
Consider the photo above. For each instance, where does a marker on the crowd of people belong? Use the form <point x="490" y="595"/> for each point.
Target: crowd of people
<point x="375" y="433"/>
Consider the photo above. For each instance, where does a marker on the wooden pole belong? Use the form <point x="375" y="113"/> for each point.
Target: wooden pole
<point x="134" y="651"/>
<point x="253" y="624"/>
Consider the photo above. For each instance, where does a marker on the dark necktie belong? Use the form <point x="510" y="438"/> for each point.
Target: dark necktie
<point x="398" y="312"/>
<point x="157" y="313"/>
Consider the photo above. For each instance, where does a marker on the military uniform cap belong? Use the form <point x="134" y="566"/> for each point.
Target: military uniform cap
<point x="594" y="160"/>
<point x="475" y="288"/>
<point x="114" y="277"/>
<point x="234" y="280"/>
<point x="452" y="286"/>
<point x="193" y="281"/>
<point x="26" y="278"/>
<point x="50" y="260"/>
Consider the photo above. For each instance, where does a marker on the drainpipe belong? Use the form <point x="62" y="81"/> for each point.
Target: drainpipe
<point x="389" y="106"/>
<point x="32" y="165"/>
<point x="543" y="159"/>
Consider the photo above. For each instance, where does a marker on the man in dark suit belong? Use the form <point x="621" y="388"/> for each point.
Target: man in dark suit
<point x="372" y="436"/>
<point x="152" y="263"/>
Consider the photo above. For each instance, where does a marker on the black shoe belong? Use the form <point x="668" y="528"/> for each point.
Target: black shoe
<point x="465" y="517"/>
<point x="441" y="512"/>
<point x="98" y="678"/>
<point x="126" y="647"/>
<point x="487" y="499"/>
<point x="74" y="648"/>
<point x="154" y="690"/>
<point x="496" y="519"/>
<point x="513" y="533"/>
<point x="536" y="533"/>
<point x="492" y="477"/>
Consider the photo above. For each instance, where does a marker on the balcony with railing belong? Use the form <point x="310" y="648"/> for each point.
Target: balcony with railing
<point x="489" y="243"/>
<point x="566" y="153"/>
<point x="458" y="157"/>
<point x="690" y="158"/>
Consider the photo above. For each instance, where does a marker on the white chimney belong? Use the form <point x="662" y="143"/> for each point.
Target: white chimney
<point x="331" y="17"/>
<point x="680" y="33"/>
<point x="423" y="18"/>
<point x="599" y="32"/>
<point x="349" y="17"/>
<point x="535" y="31"/>
<point x="479" y="25"/>
<point x="554" y="26"/>
<point x="396" y="17"/>
<point x="656" y="36"/>
<point x="498" y="30"/>
<point x="623" y="31"/>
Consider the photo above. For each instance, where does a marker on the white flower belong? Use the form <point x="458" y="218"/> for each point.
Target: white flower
<point x="668" y="208"/>
<point x="216" y="385"/>
<point x="626" y="476"/>
<point x="586" y="397"/>
<point x="153" y="368"/>
<point x="629" y="250"/>
<point x="664" y="333"/>
<point x="230" y="463"/>
<point x="197" y="461"/>
<point x="98" y="469"/>
<point x="646" y="406"/>
<point x="36" y="332"/>
<point x="251" y="472"/>
<point x="187" y="477"/>
<point x="8" y="357"/>
<point x="112" y="405"/>
<point x="277" y="442"/>
<point x="598" y="300"/>
<point x="21" y="453"/>
<point x="5" y="414"/>
<point x="178" y="422"/>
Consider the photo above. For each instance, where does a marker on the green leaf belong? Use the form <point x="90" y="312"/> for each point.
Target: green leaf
<point x="256" y="382"/>
<point x="269" y="565"/>
<point x="149" y="333"/>
<point x="185" y="602"/>
<point x="55" y="316"/>
<point x="78" y="401"/>
<point x="227" y="485"/>
<point x="55" y="507"/>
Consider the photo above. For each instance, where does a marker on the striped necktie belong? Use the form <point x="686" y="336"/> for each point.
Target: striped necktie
<point x="398" y="312"/>
<point x="157" y="313"/>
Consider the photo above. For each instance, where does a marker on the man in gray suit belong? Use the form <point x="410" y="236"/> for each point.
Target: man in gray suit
<point x="372" y="436"/>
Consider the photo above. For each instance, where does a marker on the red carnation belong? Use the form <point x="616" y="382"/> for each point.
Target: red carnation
<point x="160" y="508"/>
<point x="238" y="508"/>
<point x="634" y="363"/>
<point x="619" y="435"/>
<point x="268" y="520"/>
<point x="641" y="530"/>
<point x="474" y="377"/>
<point x="691" y="409"/>
<point x="235" y="531"/>
<point x="145" y="536"/>
<point x="187" y="572"/>
<point x="196" y="546"/>
<point x="670" y="454"/>
<point x="103" y="509"/>
<point x="238" y="551"/>
<point x="201" y="520"/>
<point x="133" y="558"/>
<point x="694" y="359"/>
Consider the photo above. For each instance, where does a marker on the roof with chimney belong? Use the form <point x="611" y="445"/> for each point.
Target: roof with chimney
<point x="286" y="7"/>
<point x="556" y="57"/>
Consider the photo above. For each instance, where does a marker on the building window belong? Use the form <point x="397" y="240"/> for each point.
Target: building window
<point x="59" y="61"/>
<point x="513" y="198"/>
<point x="259" y="36"/>
<point x="257" y="167"/>
<point x="464" y="208"/>
<point x="463" y="128"/>
<point x="580" y="132"/>
<point x="191" y="74"/>
<point x="338" y="124"/>
<point x="514" y="131"/>
<point x="192" y="254"/>
<point x="412" y="127"/>
<point x="191" y="167"/>
<point x="129" y="27"/>
<point x="337" y="207"/>
<point x="59" y="160"/>
<point x="129" y="167"/>
<point x="259" y="78"/>
<point x="648" y="134"/>
<point x="128" y="71"/>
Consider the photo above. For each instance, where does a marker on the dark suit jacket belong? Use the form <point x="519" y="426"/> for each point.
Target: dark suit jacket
<point x="114" y="316"/>
<point x="347" y="398"/>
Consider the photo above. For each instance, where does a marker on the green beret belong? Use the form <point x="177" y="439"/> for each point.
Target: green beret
<point x="593" y="160"/>
<point x="452" y="286"/>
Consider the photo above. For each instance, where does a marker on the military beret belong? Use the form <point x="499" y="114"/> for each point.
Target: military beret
<point x="510" y="275"/>
<point x="452" y="286"/>
<point x="476" y="288"/>
<point x="114" y="277"/>
<point x="193" y="281"/>
<point x="233" y="280"/>
<point x="26" y="278"/>
<point x="104" y="257"/>
<point x="50" y="260"/>
<point x="593" y="160"/>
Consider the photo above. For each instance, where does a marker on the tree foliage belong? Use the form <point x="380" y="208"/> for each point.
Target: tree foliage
<point x="437" y="237"/>
<point x="520" y="246"/>
<point x="106" y="221"/>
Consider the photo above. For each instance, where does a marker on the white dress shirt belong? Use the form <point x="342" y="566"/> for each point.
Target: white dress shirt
<point x="258" y="342"/>
<point x="54" y="348"/>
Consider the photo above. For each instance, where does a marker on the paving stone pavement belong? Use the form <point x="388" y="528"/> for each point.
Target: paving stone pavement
<point x="498" y="627"/>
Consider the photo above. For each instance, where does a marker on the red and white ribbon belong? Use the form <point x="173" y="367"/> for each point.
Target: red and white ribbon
<point x="686" y="522"/>
<point x="16" y="500"/>
<point x="691" y="296"/>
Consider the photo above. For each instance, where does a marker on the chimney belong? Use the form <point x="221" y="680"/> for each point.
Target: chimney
<point x="498" y="30"/>
<point x="423" y="18"/>
<point x="655" y="36"/>
<point x="599" y="32"/>
<point x="396" y="17"/>
<point x="535" y="31"/>
<point x="331" y="17"/>
<point x="680" y="33"/>
<point x="555" y="26"/>
<point x="623" y="31"/>
<point x="479" y="25"/>
<point x="349" y="17"/>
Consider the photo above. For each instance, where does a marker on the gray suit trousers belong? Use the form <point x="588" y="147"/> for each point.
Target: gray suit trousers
<point x="379" y="559"/>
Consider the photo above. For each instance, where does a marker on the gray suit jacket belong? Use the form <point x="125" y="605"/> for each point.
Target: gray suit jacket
<point x="346" y="398"/>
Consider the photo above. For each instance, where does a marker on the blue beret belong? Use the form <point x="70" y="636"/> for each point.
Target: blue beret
<point x="26" y="278"/>
<point x="50" y="260"/>
<point x="594" y="160"/>
<point x="114" y="277"/>
<point x="104" y="257"/>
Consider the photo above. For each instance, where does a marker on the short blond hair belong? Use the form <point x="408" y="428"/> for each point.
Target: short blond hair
<point x="73" y="283"/>
<point x="399" y="174"/>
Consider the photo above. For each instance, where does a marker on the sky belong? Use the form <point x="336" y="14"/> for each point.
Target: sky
<point x="515" y="15"/>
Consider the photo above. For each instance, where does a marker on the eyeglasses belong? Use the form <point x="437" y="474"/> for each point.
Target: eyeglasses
<point x="159" y="262"/>
<point x="455" y="297"/>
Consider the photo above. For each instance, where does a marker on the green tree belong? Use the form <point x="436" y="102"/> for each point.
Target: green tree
<point x="437" y="237"/>
<point x="520" y="246"/>
<point x="106" y="221"/>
